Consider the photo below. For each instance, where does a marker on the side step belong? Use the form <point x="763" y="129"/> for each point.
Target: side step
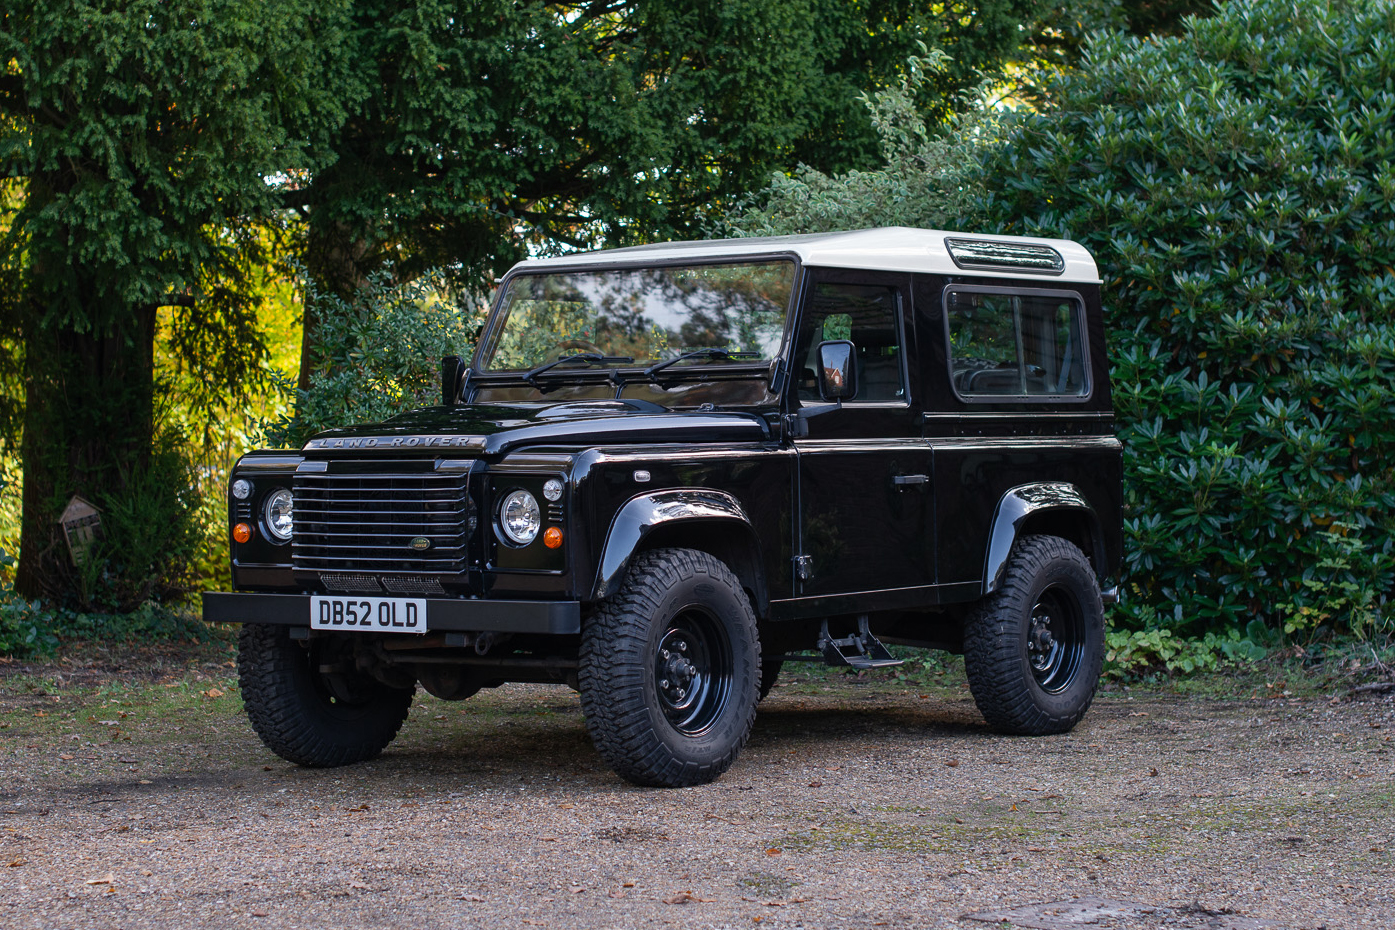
<point x="861" y="650"/>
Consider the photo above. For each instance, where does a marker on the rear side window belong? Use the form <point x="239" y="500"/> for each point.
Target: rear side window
<point x="1016" y="343"/>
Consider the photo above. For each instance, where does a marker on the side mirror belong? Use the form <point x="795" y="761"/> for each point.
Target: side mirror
<point x="452" y="377"/>
<point x="837" y="370"/>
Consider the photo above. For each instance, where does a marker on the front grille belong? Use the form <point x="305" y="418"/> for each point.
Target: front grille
<point x="366" y="521"/>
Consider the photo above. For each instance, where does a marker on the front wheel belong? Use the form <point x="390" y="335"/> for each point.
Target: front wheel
<point x="308" y="704"/>
<point x="670" y="670"/>
<point x="1034" y="648"/>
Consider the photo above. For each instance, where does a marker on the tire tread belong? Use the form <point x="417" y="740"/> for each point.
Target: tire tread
<point x="611" y="678"/>
<point x="992" y="654"/>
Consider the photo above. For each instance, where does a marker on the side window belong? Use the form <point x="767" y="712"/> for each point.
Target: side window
<point x="1016" y="344"/>
<point x="866" y="315"/>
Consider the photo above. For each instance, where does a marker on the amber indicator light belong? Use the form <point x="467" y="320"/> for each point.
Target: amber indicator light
<point x="242" y="533"/>
<point x="552" y="539"/>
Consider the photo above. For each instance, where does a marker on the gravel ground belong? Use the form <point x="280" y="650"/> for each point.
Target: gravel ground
<point x="146" y="801"/>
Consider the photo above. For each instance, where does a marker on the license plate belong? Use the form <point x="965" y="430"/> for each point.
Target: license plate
<point x="365" y="614"/>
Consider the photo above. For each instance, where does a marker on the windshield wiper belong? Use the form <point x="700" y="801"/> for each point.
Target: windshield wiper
<point x="711" y="353"/>
<point x="590" y="358"/>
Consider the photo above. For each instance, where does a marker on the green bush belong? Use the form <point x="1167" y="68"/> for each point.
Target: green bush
<point x="152" y="536"/>
<point x="377" y="354"/>
<point x="26" y="628"/>
<point x="1237" y="187"/>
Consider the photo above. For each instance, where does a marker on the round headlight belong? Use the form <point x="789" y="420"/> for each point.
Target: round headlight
<point x="278" y="514"/>
<point x="552" y="489"/>
<point x="519" y="517"/>
<point x="241" y="489"/>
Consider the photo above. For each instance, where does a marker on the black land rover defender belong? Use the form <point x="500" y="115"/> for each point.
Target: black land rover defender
<point x="670" y="469"/>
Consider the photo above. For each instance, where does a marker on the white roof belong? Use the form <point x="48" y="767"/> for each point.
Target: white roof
<point x="892" y="248"/>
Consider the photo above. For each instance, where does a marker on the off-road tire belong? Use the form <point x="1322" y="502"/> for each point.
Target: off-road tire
<point x="1017" y="684"/>
<point x="293" y="711"/>
<point x="690" y="604"/>
<point x="769" y="674"/>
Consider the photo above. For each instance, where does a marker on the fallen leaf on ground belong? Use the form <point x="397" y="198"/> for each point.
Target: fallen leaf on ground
<point x="16" y="863"/>
<point x="618" y="892"/>
<point x="213" y="693"/>
<point x="683" y="897"/>
<point x="952" y="763"/>
<point x="65" y="756"/>
<point x="106" y="879"/>
<point x="774" y="851"/>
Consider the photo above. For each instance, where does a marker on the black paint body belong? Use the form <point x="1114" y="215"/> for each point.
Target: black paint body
<point x="902" y="509"/>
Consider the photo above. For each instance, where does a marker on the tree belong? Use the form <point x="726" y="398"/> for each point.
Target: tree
<point x="478" y="131"/>
<point x="142" y="132"/>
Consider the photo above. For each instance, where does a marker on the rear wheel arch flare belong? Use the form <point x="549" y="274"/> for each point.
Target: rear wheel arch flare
<point x="1053" y="508"/>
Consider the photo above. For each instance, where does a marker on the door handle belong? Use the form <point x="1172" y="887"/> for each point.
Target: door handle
<point x="902" y="481"/>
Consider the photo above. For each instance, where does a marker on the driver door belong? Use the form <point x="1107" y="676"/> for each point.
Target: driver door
<point x="864" y="492"/>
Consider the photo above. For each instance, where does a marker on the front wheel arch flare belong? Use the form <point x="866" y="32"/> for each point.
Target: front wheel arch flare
<point x="692" y="518"/>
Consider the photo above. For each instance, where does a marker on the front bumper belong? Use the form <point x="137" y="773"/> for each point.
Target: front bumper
<point x="560" y="618"/>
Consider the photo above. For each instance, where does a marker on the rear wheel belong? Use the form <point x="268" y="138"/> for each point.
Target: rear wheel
<point x="308" y="703"/>
<point x="670" y="670"/>
<point x="1034" y="648"/>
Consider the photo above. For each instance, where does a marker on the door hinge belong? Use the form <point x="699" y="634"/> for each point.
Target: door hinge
<point x="803" y="567"/>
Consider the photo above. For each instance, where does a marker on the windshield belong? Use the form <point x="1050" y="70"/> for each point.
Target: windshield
<point x="643" y="316"/>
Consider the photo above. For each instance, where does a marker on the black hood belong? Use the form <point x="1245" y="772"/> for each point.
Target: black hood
<point x="496" y="429"/>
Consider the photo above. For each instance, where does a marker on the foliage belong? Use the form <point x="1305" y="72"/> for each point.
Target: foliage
<point x="927" y="173"/>
<point x="25" y="626"/>
<point x="924" y="180"/>
<point x="1235" y="186"/>
<point x="153" y="533"/>
<point x="378" y="353"/>
<point x="28" y="628"/>
<point x="1132" y="652"/>
<point x="141" y="133"/>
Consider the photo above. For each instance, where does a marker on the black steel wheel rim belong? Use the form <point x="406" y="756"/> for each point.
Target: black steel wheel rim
<point x="1055" y="639"/>
<point x="693" y="671"/>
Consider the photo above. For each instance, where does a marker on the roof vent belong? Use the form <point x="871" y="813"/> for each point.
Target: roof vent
<point x="987" y="255"/>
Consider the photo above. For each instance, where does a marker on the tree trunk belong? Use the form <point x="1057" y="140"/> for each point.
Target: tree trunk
<point x="88" y="427"/>
<point x="334" y="261"/>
